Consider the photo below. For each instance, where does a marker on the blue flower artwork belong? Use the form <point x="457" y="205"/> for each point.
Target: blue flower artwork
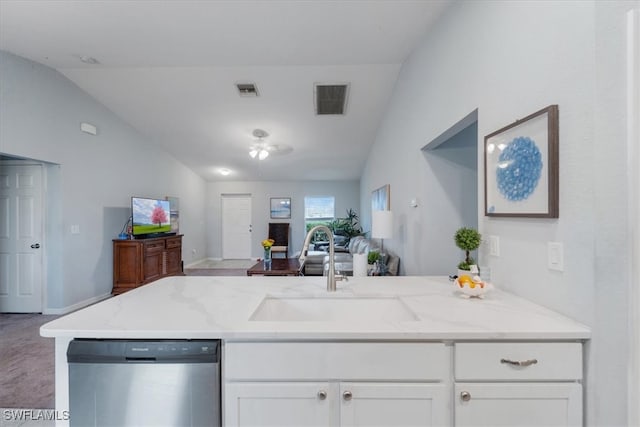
<point x="519" y="167"/>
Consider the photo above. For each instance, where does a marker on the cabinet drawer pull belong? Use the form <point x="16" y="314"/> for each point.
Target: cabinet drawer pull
<point x="519" y="362"/>
<point x="322" y="395"/>
<point x="465" y="396"/>
<point x="347" y="395"/>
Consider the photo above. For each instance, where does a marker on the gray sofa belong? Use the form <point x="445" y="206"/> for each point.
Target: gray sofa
<point x="316" y="262"/>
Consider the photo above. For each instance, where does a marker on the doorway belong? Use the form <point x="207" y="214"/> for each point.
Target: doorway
<point x="21" y="238"/>
<point x="236" y="226"/>
<point x="451" y="184"/>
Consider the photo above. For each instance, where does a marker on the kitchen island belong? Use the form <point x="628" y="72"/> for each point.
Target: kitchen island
<point x="406" y="348"/>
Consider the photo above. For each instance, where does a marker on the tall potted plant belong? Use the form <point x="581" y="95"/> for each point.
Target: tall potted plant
<point x="467" y="239"/>
<point x="348" y="226"/>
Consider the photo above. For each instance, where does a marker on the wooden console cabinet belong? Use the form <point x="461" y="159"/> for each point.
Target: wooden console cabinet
<point x="138" y="262"/>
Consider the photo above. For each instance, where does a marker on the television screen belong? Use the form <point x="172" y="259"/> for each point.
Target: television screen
<point x="150" y="216"/>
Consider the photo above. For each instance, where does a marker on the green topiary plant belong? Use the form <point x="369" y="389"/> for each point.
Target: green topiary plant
<point x="372" y="257"/>
<point x="468" y="240"/>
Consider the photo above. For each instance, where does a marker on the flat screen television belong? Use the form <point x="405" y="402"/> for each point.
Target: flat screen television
<point x="151" y="217"/>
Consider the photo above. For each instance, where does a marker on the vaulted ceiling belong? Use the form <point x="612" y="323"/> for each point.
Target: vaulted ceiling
<point x="169" y="69"/>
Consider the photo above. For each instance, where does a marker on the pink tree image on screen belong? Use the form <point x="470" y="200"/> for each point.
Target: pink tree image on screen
<point x="158" y="216"/>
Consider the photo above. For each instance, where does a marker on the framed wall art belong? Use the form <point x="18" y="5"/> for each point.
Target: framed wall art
<point x="174" y="213"/>
<point x="521" y="167"/>
<point x="281" y="208"/>
<point x="380" y="198"/>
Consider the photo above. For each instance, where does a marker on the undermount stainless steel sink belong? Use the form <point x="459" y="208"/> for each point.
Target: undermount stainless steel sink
<point x="332" y="309"/>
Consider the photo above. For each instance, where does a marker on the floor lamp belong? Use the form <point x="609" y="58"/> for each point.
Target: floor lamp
<point x="382" y="226"/>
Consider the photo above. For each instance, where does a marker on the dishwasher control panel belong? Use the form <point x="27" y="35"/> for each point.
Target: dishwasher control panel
<point x="158" y="351"/>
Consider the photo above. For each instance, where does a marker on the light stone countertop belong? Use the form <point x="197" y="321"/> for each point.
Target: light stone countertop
<point x="220" y="307"/>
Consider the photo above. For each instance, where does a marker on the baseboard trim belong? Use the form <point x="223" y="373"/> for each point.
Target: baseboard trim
<point x="190" y="265"/>
<point x="76" y="306"/>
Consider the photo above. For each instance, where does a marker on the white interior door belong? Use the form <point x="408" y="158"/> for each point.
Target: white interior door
<point x="20" y="239"/>
<point x="236" y="227"/>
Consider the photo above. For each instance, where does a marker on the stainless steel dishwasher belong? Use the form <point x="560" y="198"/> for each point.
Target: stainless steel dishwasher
<point x="144" y="383"/>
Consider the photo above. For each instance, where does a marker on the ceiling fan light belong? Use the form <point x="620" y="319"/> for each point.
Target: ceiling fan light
<point x="263" y="154"/>
<point x="253" y="153"/>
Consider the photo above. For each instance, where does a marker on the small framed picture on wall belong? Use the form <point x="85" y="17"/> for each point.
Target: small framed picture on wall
<point x="281" y="207"/>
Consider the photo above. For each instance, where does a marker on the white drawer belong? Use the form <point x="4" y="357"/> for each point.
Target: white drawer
<point x="517" y="361"/>
<point x="305" y="361"/>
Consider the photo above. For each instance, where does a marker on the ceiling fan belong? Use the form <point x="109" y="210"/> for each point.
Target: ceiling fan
<point x="261" y="149"/>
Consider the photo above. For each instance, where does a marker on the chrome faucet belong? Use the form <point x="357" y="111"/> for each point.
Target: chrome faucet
<point x="332" y="277"/>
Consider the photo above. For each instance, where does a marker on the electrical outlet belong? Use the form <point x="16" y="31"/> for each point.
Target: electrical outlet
<point x="194" y="251"/>
<point x="555" y="256"/>
<point x="75" y="229"/>
<point x="494" y="246"/>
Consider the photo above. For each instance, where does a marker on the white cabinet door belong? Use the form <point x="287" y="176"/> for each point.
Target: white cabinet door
<point x="518" y="404"/>
<point x="277" y="404"/>
<point x="394" y="404"/>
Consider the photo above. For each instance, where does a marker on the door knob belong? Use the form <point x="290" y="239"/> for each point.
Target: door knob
<point x="35" y="246"/>
<point x="322" y="395"/>
<point x="347" y="395"/>
<point x="465" y="396"/>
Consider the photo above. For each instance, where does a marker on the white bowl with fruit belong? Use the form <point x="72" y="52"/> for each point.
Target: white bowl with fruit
<point x="472" y="286"/>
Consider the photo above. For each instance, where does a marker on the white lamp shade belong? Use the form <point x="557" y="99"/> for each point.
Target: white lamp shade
<point x="382" y="224"/>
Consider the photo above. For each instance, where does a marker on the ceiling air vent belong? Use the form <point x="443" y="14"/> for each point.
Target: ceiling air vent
<point x="330" y="98"/>
<point x="247" y="89"/>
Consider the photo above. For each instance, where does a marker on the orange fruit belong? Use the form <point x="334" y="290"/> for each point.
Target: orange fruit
<point x="464" y="279"/>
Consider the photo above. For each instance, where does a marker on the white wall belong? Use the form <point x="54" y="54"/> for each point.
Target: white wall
<point x="90" y="179"/>
<point x="509" y="59"/>
<point x="347" y="196"/>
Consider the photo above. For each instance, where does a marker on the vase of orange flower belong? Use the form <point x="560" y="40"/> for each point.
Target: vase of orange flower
<point x="266" y="245"/>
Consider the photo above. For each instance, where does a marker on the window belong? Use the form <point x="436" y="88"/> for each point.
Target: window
<point x="318" y="210"/>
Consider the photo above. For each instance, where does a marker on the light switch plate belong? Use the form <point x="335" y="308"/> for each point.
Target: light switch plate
<point x="555" y="256"/>
<point x="75" y="229"/>
<point x="494" y="246"/>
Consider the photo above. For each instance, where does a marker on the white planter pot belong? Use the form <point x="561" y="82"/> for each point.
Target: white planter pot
<point x="467" y="272"/>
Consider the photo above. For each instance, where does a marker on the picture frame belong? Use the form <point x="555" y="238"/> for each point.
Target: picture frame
<point x="280" y="208"/>
<point x="521" y="167"/>
<point x="174" y="213"/>
<point x="381" y="198"/>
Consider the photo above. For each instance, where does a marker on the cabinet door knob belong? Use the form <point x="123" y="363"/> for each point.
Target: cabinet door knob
<point x="322" y="395"/>
<point x="465" y="396"/>
<point x="519" y="362"/>
<point x="347" y="395"/>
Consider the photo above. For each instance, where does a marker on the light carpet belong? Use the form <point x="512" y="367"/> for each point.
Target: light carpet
<point x="26" y="362"/>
